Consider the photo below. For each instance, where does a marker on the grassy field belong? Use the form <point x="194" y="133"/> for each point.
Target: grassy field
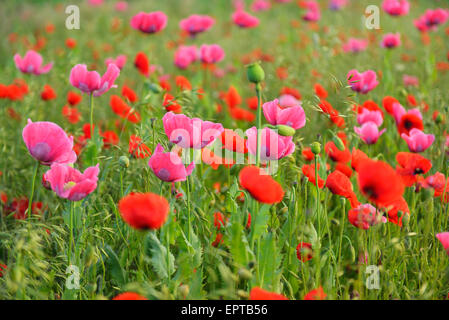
<point x="194" y="255"/>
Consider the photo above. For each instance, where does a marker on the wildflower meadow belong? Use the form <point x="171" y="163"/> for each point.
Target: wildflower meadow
<point x="224" y="150"/>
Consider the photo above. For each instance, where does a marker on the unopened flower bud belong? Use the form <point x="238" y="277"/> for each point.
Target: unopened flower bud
<point x="245" y="274"/>
<point x="339" y="143"/>
<point x="255" y="73"/>
<point x="285" y="131"/>
<point x="316" y="148"/>
<point x="123" y="161"/>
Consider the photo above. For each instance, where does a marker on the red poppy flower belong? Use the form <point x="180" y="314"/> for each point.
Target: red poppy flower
<point x="291" y="91"/>
<point x="307" y="154"/>
<point x="70" y="43"/>
<point x="379" y="182"/>
<point x="336" y="154"/>
<point x="316" y="294"/>
<point x="170" y="104"/>
<point x="71" y="114"/>
<point x="320" y="91"/>
<point x="357" y="157"/>
<point x="233" y="142"/>
<point x="304" y="251"/>
<point x="388" y="103"/>
<point x="73" y="98"/>
<point x="218" y="240"/>
<point x="364" y="216"/>
<point x="129" y="296"/>
<point x="3" y="268"/>
<point x="129" y="94"/>
<point x="219" y="220"/>
<point x="282" y="73"/>
<point x="339" y="184"/>
<point x="48" y="93"/>
<point x="252" y="103"/>
<point x="262" y="187"/>
<point x="142" y="64"/>
<point x="165" y="84"/>
<point x="183" y="83"/>
<point x="412" y="100"/>
<point x="396" y="210"/>
<point x="238" y="113"/>
<point x="343" y="168"/>
<point x="120" y="108"/>
<point x="137" y="148"/>
<point x="411" y="165"/>
<point x="408" y="122"/>
<point x="20" y="206"/>
<point x="261" y="294"/>
<point x="232" y="97"/>
<point x="110" y="138"/>
<point x="144" y="210"/>
<point x="309" y="171"/>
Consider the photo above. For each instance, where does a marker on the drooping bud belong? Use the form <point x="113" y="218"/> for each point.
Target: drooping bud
<point x="123" y="161"/>
<point x="255" y="73"/>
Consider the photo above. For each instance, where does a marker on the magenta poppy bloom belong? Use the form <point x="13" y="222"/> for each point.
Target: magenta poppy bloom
<point x="196" y="24"/>
<point x="260" y="5"/>
<point x="244" y="19"/>
<point x="121" y="6"/>
<point x="355" y="45"/>
<point x="336" y="5"/>
<point x="444" y="239"/>
<point x="211" y="53"/>
<point x="391" y="40"/>
<point x="417" y="140"/>
<point x="119" y="61"/>
<point x="149" y="22"/>
<point x="431" y="19"/>
<point x="369" y="115"/>
<point x="91" y="82"/>
<point x="168" y="166"/>
<point x="273" y="146"/>
<point x="190" y="132"/>
<point x="369" y="132"/>
<point x="396" y="7"/>
<point x="362" y="82"/>
<point x="293" y="116"/>
<point x="185" y="55"/>
<point x="69" y="183"/>
<point x="287" y="100"/>
<point x="48" y="143"/>
<point x="31" y="63"/>
<point x="313" y="12"/>
<point x="410" y="81"/>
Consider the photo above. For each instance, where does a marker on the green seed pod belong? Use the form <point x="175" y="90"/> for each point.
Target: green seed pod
<point x="255" y="73"/>
<point x="285" y="131"/>
<point x="245" y="274"/>
<point x="439" y="118"/>
<point x="316" y="148"/>
<point x="123" y="161"/>
<point x="338" y="143"/>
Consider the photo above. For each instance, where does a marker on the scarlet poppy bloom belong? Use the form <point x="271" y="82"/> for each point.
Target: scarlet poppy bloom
<point x="336" y="154"/>
<point x="129" y="296"/>
<point x="411" y="165"/>
<point x="3" y="268"/>
<point x="309" y="171"/>
<point x="338" y="183"/>
<point x="70" y="43"/>
<point x="170" y="104"/>
<point x="232" y="97"/>
<point x="261" y="294"/>
<point x="20" y="206"/>
<point x="48" y="93"/>
<point x="218" y="240"/>
<point x="408" y="122"/>
<point x="73" y="98"/>
<point x="219" y="220"/>
<point x="137" y="148"/>
<point x="183" y="83"/>
<point x="364" y="216"/>
<point x="252" y="103"/>
<point x="71" y="114"/>
<point x="238" y="113"/>
<point x="144" y="210"/>
<point x="142" y="64"/>
<point x="357" y="157"/>
<point x="316" y="294"/>
<point x="396" y="210"/>
<point x="129" y="94"/>
<point x="388" y="103"/>
<point x="343" y="168"/>
<point x="110" y="138"/>
<point x="261" y="186"/>
<point x="307" y="154"/>
<point x="379" y="182"/>
<point x="233" y="142"/>
<point x="320" y="91"/>
<point x="304" y="251"/>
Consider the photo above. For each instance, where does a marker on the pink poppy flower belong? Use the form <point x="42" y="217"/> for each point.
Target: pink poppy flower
<point x="95" y="2"/>
<point x="313" y="13"/>
<point x="185" y="55"/>
<point x="190" y="133"/>
<point x="391" y="40"/>
<point x="260" y="5"/>
<point x="149" y="22"/>
<point x="31" y="63"/>
<point x="211" y="53"/>
<point x="369" y="132"/>
<point x="293" y="117"/>
<point x="121" y="6"/>
<point x="336" y="5"/>
<point x="273" y="146"/>
<point x="48" y="143"/>
<point x="365" y="216"/>
<point x="362" y="82"/>
<point x="119" y="61"/>
<point x="244" y="19"/>
<point x="168" y="166"/>
<point x="410" y="81"/>
<point x="196" y="24"/>
<point x="69" y="183"/>
<point x="91" y="82"/>
<point x="396" y="7"/>
<point x="431" y="19"/>
<point x="355" y="45"/>
<point x="417" y="140"/>
<point x="287" y="100"/>
<point x="369" y="115"/>
<point x="444" y="239"/>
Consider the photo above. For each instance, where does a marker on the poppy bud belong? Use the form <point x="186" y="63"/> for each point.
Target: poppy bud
<point x="45" y="183"/>
<point x="439" y="118"/>
<point x="316" y="148"/>
<point x="255" y="73"/>
<point x="285" y="131"/>
<point x="339" y="143"/>
<point x="154" y="87"/>
<point x="245" y="274"/>
<point x="123" y="161"/>
<point x="184" y="290"/>
<point x="405" y="219"/>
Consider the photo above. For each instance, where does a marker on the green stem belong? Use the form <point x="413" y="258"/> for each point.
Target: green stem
<point x="69" y="255"/>
<point x="91" y="104"/>
<point x="259" y="122"/>
<point x="33" y="182"/>
<point x="318" y="244"/>
<point x="188" y="207"/>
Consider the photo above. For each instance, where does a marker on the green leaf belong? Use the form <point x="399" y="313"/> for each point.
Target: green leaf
<point x="163" y="265"/>
<point x="113" y="266"/>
